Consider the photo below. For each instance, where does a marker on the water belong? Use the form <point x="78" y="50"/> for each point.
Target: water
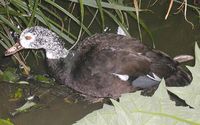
<point x="57" y="113"/>
<point x="52" y="110"/>
<point x="173" y="36"/>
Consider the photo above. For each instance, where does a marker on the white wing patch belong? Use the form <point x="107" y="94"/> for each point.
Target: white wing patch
<point x="125" y="77"/>
<point x="122" y="77"/>
<point x="154" y="77"/>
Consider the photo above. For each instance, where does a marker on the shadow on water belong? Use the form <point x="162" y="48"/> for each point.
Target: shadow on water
<point x="173" y="36"/>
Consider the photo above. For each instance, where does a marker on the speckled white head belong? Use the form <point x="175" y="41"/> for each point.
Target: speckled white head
<point x="41" y="38"/>
<point x="27" y="39"/>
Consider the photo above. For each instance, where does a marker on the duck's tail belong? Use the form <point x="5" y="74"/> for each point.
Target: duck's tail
<point x="181" y="77"/>
<point x="183" y="58"/>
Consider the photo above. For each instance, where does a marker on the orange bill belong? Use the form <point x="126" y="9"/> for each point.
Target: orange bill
<point x="15" y="48"/>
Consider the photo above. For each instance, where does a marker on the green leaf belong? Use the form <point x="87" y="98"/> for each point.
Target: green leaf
<point x="24" y="108"/>
<point x="5" y="122"/>
<point x="92" y="3"/>
<point x="9" y="75"/>
<point x="68" y="14"/>
<point x="7" y="22"/>
<point x="33" y="12"/>
<point x="123" y="115"/>
<point x="18" y="93"/>
<point x="191" y="93"/>
<point x="43" y="79"/>
<point x="82" y="10"/>
<point x="101" y="13"/>
<point x="134" y="109"/>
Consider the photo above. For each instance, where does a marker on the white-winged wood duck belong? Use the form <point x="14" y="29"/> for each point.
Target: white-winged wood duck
<point x="103" y="65"/>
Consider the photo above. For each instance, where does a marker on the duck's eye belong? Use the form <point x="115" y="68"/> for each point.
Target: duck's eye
<point x="28" y="37"/>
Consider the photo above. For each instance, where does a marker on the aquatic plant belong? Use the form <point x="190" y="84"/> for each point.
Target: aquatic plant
<point x="5" y="122"/>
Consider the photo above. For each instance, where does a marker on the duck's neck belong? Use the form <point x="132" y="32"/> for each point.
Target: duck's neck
<point x="55" y="48"/>
<point x="56" y="53"/>
<point x="61" y="68"/>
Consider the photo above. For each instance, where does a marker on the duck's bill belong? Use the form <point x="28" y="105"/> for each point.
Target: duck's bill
<point x="15" y="48"/>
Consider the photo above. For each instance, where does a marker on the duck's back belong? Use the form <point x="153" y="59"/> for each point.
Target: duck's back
<point x="99" y="60"/>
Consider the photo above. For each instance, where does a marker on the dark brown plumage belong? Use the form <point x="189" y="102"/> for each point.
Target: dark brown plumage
<point x="104" y="65"/>
<point x="95" y="58"/>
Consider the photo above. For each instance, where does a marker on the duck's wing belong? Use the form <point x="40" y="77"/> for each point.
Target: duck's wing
<point x="113" y="61"/>
<point x="97" y="72"/>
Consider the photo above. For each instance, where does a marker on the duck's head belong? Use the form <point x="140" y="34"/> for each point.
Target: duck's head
<point x="39" y="38"/>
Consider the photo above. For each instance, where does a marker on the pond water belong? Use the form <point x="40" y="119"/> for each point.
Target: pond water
<point x="53" y="110"/>
<point x="173" y="36"/>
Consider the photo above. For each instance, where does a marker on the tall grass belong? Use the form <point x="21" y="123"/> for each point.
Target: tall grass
<point x="16" y="15"/>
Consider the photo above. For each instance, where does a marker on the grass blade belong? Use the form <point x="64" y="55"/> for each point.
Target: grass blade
<point x="33" y="13"/>
<point x="101" y="13"/>
<point x="107" y="5"/>
<point x="68" y="14"/>
<point x="8" y="23"/>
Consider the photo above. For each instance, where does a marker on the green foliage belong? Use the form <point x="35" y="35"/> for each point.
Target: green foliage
<point x="134" y="109"/>
<point x="9" y="75"/>
<point x="5" y="122"/>
<point x="17" y="94"/>
<point x="108" y="5"/>
<point x="43" y="79"/>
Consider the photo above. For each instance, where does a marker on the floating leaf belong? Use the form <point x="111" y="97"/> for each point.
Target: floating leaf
<point x="5" y="122"/>
<point x="24" y="108"/>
